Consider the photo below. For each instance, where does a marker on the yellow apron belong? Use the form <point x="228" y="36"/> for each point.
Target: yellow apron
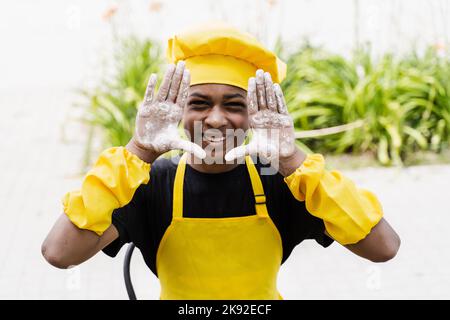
<point x="219" y="258"/>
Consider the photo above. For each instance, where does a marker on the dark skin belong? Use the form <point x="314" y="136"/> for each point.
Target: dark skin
<point x="220" y="107"/>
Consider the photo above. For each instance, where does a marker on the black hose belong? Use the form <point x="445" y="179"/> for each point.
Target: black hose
<point x="126" y="272"/>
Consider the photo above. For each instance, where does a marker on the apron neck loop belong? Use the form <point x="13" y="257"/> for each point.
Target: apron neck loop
<point x="258" y="190"/>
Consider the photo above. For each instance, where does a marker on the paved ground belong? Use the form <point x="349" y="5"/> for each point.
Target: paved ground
<point x="41" y="155"/>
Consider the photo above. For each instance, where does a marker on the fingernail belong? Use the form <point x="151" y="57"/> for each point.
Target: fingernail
<point x="180" y="64"/>
<point x="267" y="76"/>
<point x="259" y="76"/>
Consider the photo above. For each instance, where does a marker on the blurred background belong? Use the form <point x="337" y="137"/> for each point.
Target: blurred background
<point x="371" y="78"/>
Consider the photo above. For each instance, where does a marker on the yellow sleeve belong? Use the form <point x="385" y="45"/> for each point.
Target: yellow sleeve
<point x="109" y="185"/>
<point x="348" y="213"/>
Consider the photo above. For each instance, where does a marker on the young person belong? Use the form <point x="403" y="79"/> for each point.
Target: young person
<point x="216" y="223"/>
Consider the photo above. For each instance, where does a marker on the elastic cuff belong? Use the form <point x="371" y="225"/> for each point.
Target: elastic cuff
<point x="376" y="218"/>
<point x="314" y="164"/>
<point x="135" y="159"/>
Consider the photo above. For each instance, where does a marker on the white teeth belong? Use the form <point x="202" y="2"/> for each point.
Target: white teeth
<point x="213" y="139"/>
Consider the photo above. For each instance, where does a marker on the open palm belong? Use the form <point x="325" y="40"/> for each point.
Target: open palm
<point x="158" y="117"/>
<point x="270" y="122"/>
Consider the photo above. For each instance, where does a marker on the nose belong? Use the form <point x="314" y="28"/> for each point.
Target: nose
<point x="215" y="118"/>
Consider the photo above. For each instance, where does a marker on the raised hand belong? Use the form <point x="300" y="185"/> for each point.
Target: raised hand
<point x="158" y="117"/>
<point x="272" y="126"/>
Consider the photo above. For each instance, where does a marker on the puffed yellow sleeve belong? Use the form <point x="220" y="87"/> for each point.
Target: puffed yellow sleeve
<point x="109" y="185"/>
<point x="349" y="213"/>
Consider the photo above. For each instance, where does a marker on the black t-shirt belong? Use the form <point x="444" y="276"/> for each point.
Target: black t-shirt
<point x="145" y="219"/>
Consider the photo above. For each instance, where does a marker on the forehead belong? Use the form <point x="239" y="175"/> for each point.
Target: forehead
<point x="216" y="90"/>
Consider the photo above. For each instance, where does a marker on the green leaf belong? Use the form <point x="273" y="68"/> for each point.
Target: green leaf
<point x="417" y="136"/>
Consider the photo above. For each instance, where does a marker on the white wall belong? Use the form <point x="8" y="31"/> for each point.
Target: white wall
<point x="62" y="43"/>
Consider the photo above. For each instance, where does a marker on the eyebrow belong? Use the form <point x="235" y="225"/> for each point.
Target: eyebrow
<point x="225" y="96"/>
<point x="199" y="95"/>
<point x="234" y="95"/>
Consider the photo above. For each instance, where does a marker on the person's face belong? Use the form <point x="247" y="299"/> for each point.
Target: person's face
<point x="220" y="111"/>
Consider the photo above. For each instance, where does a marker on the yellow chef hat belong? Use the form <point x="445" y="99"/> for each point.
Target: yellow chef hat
<point x="218" y="53"/>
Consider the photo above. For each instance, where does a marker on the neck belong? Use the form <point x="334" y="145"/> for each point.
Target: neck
<point x="199" y="165"/>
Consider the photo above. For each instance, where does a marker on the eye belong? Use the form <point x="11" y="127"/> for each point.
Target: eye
<point x="198" y="104"/>
<point x="235" y="105"/>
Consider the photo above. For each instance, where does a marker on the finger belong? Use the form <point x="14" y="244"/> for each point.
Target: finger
<point x="184" y="88"/>
<point x="252" y="99"/>
<point x="149" y="92"/>
<point x="176" y="80"/>
<point x="240" y="152"/>
<point x="164" y="89"/>
<point x="260" y="90"/>
<point x="270" y="94"/>
<point x="144" y="108"/>
<point x="282" y="108"/>
<point x="189" y="147"/>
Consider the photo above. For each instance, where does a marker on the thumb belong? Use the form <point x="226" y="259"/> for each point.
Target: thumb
<point x="240" y="152"/>
<point x="189" y="147"/>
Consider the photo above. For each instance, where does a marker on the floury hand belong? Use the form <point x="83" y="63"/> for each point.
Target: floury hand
<point x="272" y="126"/>
<point x="158" y="117"/>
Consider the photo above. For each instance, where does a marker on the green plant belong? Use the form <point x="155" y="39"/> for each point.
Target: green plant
<point x="403" y="102"/>
<point x="112" y="106"/>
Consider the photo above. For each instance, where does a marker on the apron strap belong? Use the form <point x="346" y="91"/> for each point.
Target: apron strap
<point x="178" y="188"/>
<point x="258" y="190"/>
